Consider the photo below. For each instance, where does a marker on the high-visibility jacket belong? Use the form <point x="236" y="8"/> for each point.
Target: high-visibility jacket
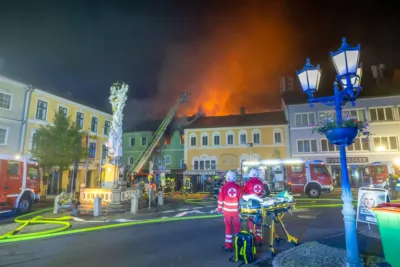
<point x="253" y="186"/>
<point x="228" y="198"/>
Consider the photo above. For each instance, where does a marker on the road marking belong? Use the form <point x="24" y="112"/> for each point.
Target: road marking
<point x="211" y="206"/>
<point x="307" y="216"/>
<point x="167" y="211"/>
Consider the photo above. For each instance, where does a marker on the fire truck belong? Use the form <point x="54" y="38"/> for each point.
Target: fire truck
<point x="296" y="175"/>
<point x="19" y="183"/>
<point x="377" y="173"/>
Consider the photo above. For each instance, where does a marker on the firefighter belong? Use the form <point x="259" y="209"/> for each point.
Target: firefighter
<point x="217" y="186"/>
<point x="254" y="186"/>
<point x="228" y="204"/>
<point x="172" y="186"/>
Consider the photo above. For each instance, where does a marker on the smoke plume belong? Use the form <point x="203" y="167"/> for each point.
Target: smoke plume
<point x="239" y="64"/>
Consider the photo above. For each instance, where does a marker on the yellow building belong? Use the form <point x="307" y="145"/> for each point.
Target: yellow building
<point x="221" y="143"/>
<point x="42" y="107"/>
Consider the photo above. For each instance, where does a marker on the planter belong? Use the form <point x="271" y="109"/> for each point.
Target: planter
<point x="342" y="136"/>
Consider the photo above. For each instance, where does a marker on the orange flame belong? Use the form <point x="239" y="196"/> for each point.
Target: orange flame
<point x="239" y="65"/>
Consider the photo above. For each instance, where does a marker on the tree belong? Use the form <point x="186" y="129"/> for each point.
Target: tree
<point x="59" y="145"/>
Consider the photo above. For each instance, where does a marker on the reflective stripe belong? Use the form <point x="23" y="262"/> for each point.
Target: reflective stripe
<point x="220" y="202"/>
<point x="228" y="240"/>
<point x="231" y="204"/>
<point x="228" y="236"/>
<point x="230" y="209"/>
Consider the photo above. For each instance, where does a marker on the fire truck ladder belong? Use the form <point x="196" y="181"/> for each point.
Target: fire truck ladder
<point x="144" y="156"/>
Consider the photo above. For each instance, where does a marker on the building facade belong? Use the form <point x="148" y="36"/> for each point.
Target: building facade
<point x="220" y="144"/>
<point x="168" y="154"/>
<point x="383" y="115"/>
<point x="13" y="96"/>
<point x="41" y="110"/>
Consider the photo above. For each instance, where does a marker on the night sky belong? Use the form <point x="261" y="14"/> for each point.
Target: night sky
<point x="161" y="48"/>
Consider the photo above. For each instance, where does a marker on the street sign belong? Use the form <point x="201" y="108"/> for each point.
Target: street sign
<point x="204" y="177"/>
<point x="369" y="198"/>
<point x="350" y="160"/>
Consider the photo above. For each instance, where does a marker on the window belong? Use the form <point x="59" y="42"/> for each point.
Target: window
<point x="385" y="143"/>
<point x="33" y="172"/>
<point x="182" y="163"/>
<point x="132" y="141"/>
<point x="131" y="160"/>
<point x="359" y="114"/>
<point x="167" y="140"/>
<point x="229" y="138"/>
<point x="33" y="145"/>
<point x="5" y="101"/>
<point x="204" y="140"/>
<point x="208" y="163"/>
<point x="381" y="114"/>
<point x="242" y="138"/>
<point x="182" y="139"/>
<point x="277" y="136"/>
<point x="167" y="160"/>
<point x="328" y="147"/>
<point x="107" y="127"/>
<point x="216" y="139"/>
<point x="306" y="146"/>
<point x="13" y="167"/>
<point x="3" y="136"/>
<point x="297" y="168"/>
<point x="144" y="141"/>
<point x="94" y="124"/>
<point x="326" y="115"/>
<point x="320" y="169"/>
<point x="304" y="119"/>
<point x="63" y="111"/>
<point x="256" y="137"/>
<point x="360" y="144"/>
<point x="79" y="120"/>
<point x="41" y="110"/>
<point x="92" y="150"/>
<point x="104" y="152"/>
<point x="193" y="141"/>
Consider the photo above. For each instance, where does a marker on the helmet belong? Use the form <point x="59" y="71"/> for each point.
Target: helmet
<point x="253" y="173"/>
<point x="230" y="176"/>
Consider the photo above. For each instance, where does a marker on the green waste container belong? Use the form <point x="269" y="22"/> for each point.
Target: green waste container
<point x="388" y="217"/>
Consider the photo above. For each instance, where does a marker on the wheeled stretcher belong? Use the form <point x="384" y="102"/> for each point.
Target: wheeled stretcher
<point x="267" y="212"/>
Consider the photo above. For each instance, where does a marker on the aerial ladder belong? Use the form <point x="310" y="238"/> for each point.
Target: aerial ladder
<point x="144" y="156"/>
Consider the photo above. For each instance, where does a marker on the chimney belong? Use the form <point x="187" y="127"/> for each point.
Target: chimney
<point x="242" y="110"/>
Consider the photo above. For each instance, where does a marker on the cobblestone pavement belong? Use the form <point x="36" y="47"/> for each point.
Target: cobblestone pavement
<point x="314" y="254"/>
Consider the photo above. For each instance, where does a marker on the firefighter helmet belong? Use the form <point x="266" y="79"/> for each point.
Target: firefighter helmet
<point x="230" y="176"/>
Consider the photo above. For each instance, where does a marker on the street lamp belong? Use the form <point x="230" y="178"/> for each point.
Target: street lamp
<point x="250" y="145"/>
<point x="349" y="77"/>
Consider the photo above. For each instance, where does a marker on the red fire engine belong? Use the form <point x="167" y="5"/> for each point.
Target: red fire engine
<point x="297" y="175"/>
<point x="377" y="173"/>
<point x="19" y="183"/>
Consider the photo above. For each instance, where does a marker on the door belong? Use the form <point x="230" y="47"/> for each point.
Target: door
<point x="296" y="175"/>
<point x="3" y="168"/>
<point x="13" y="181"/>
<point x="33" y="179"/>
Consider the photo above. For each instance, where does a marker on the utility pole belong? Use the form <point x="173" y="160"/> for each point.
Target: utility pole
<point x="87" y="157"/>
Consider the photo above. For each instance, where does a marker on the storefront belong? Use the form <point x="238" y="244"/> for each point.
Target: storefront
<point x="203" y="181"/>
<point x="355" y="167"/>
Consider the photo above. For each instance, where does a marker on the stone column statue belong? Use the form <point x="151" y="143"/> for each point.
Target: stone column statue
<point x="117" y="99"/>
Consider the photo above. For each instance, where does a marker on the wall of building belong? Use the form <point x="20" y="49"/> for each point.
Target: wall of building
<point x="366" y="150"/>
<point x="174" y="149"/>
<point x="12" y="103"/>
<point x="228" y="156"/>
<point x="96" y="136"/>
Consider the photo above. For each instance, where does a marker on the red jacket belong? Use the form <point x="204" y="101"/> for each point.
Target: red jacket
<point x="228" y="198"/>
<point x="253" y="186"/>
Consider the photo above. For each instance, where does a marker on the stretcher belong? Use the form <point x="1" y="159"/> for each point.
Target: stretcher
<point x="267" y="212"/>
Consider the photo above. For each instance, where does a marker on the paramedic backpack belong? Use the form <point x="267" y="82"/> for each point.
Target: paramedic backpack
<point x="245" y="249"/>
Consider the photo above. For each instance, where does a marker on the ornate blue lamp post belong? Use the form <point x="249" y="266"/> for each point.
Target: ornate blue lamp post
<point x="349" y="77"/>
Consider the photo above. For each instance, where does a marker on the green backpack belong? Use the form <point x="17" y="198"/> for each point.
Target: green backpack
<point x="245" y="249"/>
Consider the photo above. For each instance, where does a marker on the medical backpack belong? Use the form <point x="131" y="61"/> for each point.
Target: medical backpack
<point x="245" y="249"/>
